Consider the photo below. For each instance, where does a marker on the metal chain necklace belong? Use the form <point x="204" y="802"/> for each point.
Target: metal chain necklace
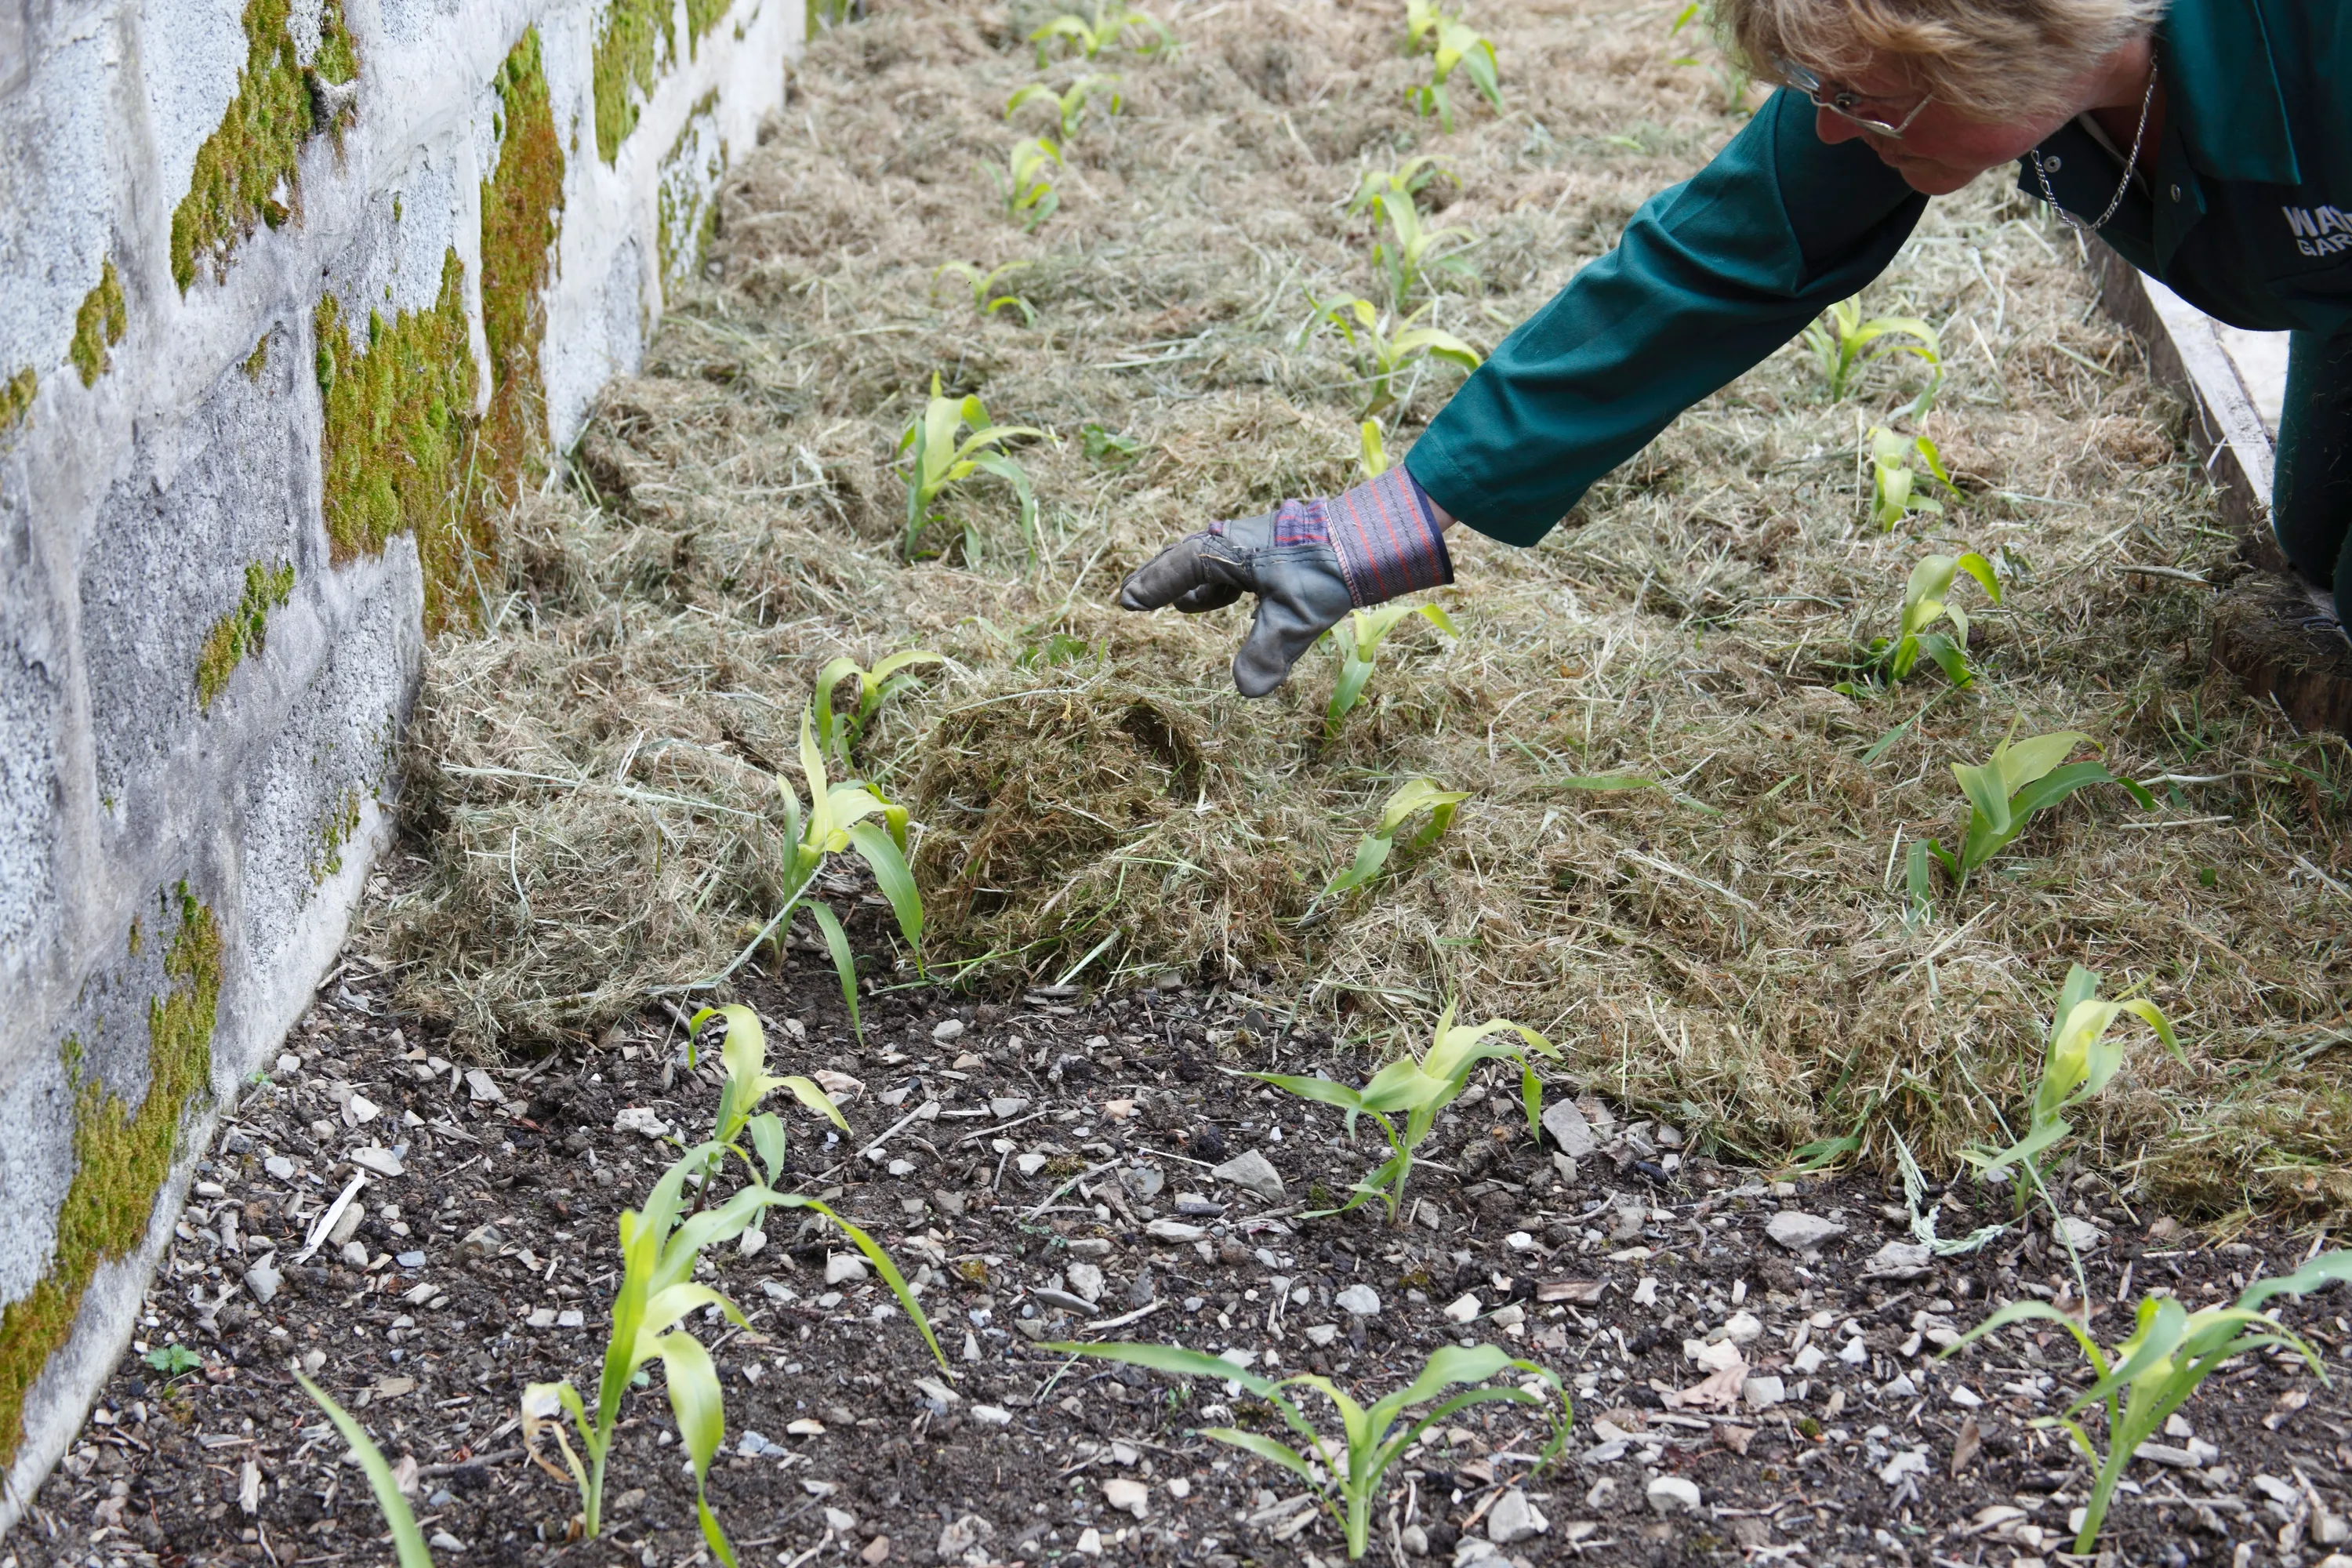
<point x="2131" y="162"/>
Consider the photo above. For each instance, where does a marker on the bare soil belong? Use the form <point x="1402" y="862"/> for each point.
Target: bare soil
<point x="457" y="1291"/>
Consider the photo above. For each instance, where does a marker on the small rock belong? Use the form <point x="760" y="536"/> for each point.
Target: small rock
<point x="1358" y="1299"/>
<point x="1199" y="1207"/>
<point x="843" y="1269"/>
<point x="1808" y="1360"/>
<point x="354" y="1253"/>
<point x="482" y="1241"/>
<point x="289" y="1063"/>
<point x="641" y="1120"/>
<point x="1462" y="1310"/>
<point x="1763" y="1392"/>
<point x="1253" y="1173"/>
<point x="1967" y="1398"/>
<point x="1085" y="1280"/>
<point x="1412" y="1538"/>
<point x="1569" y="1128"/>
<point x="807" y="1427"/>
<point x="754" y="1445"/>
<point x="359" y="1109"/>
<point x="279" y="1167"/>
<point x="347" y="1224"/>
<point x="948" y="1029"/>
<point x="1673" y="1494"/>
<point x="1179" y="1487"/>
<point x="1090" y="1543"/>
<point x="1029" y="1165"/>
<point x="1143" y="1182"/>
<point x="571" y="1318"/>
<point x="1854" y="1352"/>
<point x="1514" y="1519"/>
<point x="877" y="1551"/>
<point x="842" y="1520"/>
<point x="1090" y="1247"/>
<point x="752" y="1242"/>
<point x="541" y="1318"/>
<point x="481" y="1086"/>
<point x="378" y="1162"/>
<point x="442" y="1541"/>
<point x="963" y="1535"/>
<point x="1627" y="1219"/>
<point x="1127" y="1496"/>
<point x="1715" y="1355"/>
<point x="1900" y="1387"/>
<point x="1174" y="1231"/>
<point x="1742" y="1329"/>
<point x="1005" y="1107"/>
<point x="1320" y="1335"/>
<point x="263" y="1281"/>
<point x="1645" y="1294"/>
<point x="1801" y="1232"/>
<point x="1910" y="1462"/>
<point x="992" y="1415"/>
<point x="2078" y="1233"/>
<point x="1899" y="1261"/>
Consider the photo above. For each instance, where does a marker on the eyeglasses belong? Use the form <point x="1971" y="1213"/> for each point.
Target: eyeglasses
<point x="1846" y="103"/>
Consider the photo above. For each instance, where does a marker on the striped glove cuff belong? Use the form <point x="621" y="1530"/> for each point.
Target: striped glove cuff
<point x="1383" y="533"/>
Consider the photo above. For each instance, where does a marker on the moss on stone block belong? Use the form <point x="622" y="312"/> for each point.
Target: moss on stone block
<point x="122" y="1159"/>
<point x="685" y="195"/>
<point x="241" y="632"/>
<point x="258" y="360"/>
<point x="246" y="171"/>
<point x="701" y="15"/>
<point x="636" y="44"/>
<point x="522" y="208"/>
<point x="394" y="443"/>
<point x="17" y="398"/>
<point x="99" y="325"/>
<point x="335" y="829"/>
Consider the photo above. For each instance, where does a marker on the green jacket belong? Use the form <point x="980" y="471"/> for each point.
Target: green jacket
<point x="2241" y="218"/>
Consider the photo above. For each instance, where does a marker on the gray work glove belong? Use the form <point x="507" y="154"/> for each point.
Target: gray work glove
<point x="1309" y="563"/>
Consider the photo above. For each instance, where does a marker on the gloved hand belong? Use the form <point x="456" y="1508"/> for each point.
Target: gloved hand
<point x="1309" y="563"/>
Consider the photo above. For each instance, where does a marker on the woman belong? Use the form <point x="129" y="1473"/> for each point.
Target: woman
<point x="2204" y="142"/>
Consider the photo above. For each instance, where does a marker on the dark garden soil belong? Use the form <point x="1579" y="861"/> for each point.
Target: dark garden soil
<point x="1055" y="1139"/>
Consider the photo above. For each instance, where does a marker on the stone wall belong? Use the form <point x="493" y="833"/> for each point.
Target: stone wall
<point x="294" y="295"/>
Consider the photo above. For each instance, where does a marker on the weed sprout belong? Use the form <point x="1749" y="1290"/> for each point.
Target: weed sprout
<point x="2152" y="1374"/>
<point x="1347" y="1475"/>
<point x="1421" y="1089"/>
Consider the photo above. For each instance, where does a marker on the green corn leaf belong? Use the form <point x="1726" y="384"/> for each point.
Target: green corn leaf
<point x="1322" y="1091"/>
<point x="875" y="847"/>
<point x="407" y="1540"/>
<point x="844" y="962"/>
<point x="767" y="1140"/>
<point x="806" y="1091"/>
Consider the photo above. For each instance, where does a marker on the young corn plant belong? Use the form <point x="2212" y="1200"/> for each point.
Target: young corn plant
<point x="2078" y="1061"/>
<point x="1411" y="178"/>
<point x="2003" y="792"/>
<point x="1419" y="1089"/>
<point x="659" y="1249"/>
<point x="1025" y="182"/>
<point x="1927" y="600"/>
<point x="1346" y="1474"/>
<point x="1894" y="489"/>
<point x="1375" y="452"/>
<point x="1452" y="44"/>
<point x="1842" y="343"/>
<point x="407" y="1540"/>
<point x="743" y="1053"/>
<point x="983" y="285"/>
<point x="839" y="730"/>
<point x="1384" y="346"/>
<point x="1373" y="849"/>
<point x="2151" y="1375"/>
<point x="1108" y="25"/>
<point x="939" y="460"/>
<point x="1358" y="638"/>
<point x="840" y="817"/>
<point x="1069" y="105"/>
<point x="1408" y="256"/>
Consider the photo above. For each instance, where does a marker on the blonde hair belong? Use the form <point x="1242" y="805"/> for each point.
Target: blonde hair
<point x="1990" y="60"/>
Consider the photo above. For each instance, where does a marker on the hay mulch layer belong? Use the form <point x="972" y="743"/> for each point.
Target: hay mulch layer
<point x="1058" y="1135"/>
<point x="595" y="777"/>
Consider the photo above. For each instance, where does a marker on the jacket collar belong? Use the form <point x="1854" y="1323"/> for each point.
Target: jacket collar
<point x="2224" y="93"/>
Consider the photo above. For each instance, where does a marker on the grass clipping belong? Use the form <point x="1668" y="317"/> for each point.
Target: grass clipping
<point x="592" y="784"/>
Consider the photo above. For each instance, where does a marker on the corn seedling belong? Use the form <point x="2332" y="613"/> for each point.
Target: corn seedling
<point x="1107" y="27"/>
<point x="1358" y="637"/>
<point x="1410" y="177"/>
<point x="2078" y="1062"/>
<point x="1024" y="182"/>
<point x="1346" y="1474"/>
<point x="2019" y="778"/>
<point x="984" y="297"/>
<point x="1406" y="259"/>
<point x="1420" y="1090"/>
<point x="2151" y="1375"/>
<point x="1841" y="342"/>
<point x="838" y="730"/>
<point x="1926" y="600"/>
<point x="840" y="817"/>
<point x="1375" y="456"/>
<point x="659" y="1249"/>
<point x="1070" y="104"/>
<point x="1453" y="43"/>
<point x="1373" y="849"/>
<point x="1894" y="491"/>
<point x="407" y="1540"/>
<point x="1385" y="345"/>
<point x="743" y="1054"/>
<point x="939" y="460"/>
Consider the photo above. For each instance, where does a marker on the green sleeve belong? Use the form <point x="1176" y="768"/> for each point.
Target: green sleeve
<point x="1712" y="275"/>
